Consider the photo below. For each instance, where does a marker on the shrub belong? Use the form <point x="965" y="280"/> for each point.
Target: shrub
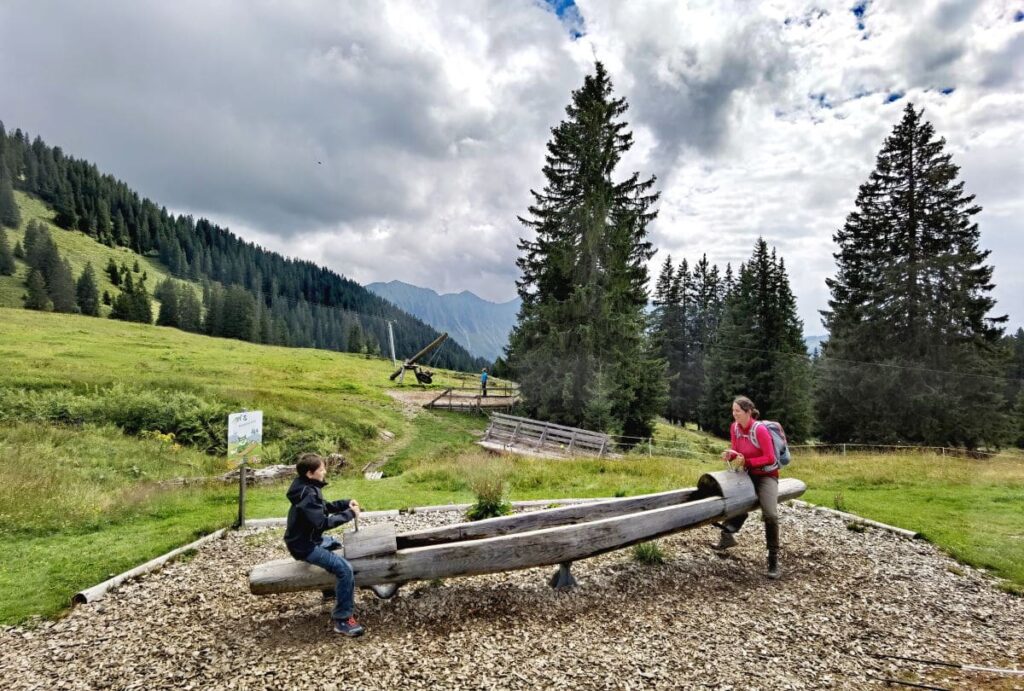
<point x="489" y="487"/>
<point x="321" y="440"/>
<point x="649" y="553"/>
<point x="192" y="419"/>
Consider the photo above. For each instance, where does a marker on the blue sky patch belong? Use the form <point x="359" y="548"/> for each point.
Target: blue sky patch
<point x="567" y="11"/>
<point x="948" y="90"/>
<point x="859" y="10"/>
<point x="821" y="99"/>
<point x="1019" y="17"/>
<point x="894" y="96"/>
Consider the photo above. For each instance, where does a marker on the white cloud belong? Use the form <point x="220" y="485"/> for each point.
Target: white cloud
<point x="400" y="139"/>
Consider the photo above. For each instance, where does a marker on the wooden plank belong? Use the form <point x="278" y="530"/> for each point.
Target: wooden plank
<point x="371" y="541"/>
<point x="534" y="520"/>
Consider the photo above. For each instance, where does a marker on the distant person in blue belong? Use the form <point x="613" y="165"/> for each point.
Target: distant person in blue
<point x="483" y="381"/>
<point x="308" y="518"/>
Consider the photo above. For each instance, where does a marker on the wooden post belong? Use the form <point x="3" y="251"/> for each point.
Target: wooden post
<point x="650" y="452"/>
<point x="241" y="494"/>
<point x="844" y="449"/>
<point x="572" y="441"/>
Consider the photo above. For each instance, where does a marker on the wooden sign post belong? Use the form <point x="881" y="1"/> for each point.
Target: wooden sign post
<point x="245" y="444"/>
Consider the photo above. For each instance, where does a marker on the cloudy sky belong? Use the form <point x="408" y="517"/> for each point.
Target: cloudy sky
<point x="400" y="139"/>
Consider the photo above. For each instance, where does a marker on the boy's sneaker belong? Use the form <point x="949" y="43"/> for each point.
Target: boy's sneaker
<point x="348" y="627"/>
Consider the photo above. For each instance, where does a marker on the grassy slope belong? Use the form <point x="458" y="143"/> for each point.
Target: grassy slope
<point x="79" y="503"/>
<point x="79" y="249"/>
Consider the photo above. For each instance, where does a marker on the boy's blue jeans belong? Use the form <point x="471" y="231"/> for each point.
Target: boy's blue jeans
<point x="329" y="561"/>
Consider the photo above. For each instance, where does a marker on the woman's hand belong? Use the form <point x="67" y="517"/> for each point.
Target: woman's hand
<point x="355" y="507"/>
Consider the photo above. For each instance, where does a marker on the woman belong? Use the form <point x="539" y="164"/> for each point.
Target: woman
<point x="760" y="463"/>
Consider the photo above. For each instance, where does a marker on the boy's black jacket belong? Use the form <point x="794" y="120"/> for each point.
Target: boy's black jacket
<point x="309" y="516"/>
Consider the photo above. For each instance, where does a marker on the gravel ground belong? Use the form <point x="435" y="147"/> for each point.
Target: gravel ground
<point x="698" y="621"/>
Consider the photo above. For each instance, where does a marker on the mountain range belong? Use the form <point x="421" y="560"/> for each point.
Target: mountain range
<point x="480" y="326"/>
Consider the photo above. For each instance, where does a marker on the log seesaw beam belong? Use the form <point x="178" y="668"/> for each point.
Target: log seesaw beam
<point x="542" y="538"/>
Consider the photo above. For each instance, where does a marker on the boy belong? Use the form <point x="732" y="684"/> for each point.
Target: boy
<point x="308" y="518"/>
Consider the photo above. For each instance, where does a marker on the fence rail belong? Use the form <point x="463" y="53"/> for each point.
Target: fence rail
<point x="452" y="399"/>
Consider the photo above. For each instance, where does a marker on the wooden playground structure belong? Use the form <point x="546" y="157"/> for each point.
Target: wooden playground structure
<point x="383" y="560"/>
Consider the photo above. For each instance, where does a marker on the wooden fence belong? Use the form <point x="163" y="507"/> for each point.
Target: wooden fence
<point x="457" y="400"/>
<point x="523" y="435"/>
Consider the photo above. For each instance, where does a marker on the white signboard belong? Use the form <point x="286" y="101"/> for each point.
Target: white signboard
<point x="245" y="436"/>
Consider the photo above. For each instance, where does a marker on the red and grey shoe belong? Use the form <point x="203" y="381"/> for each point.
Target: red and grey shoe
<point x="348" y="627"/>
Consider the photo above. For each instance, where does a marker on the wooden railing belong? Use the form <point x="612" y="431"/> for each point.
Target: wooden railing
<point x="455" y="400"/>
<point x="545" y="437"/>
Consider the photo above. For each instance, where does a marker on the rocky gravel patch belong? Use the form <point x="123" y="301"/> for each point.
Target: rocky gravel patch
<point x="699" y="621"/>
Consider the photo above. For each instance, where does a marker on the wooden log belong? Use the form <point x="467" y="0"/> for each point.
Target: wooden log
<point x="371" y="541"/>
<point x="554" y="545"/>
<point x="568" y="515"/>
<point x="735" y="486"/>
<point x="98" y="591"/>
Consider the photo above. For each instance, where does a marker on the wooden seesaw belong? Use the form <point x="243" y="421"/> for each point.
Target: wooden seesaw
<point x="383" y="560"/>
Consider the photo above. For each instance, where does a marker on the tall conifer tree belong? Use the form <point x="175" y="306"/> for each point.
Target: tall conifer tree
<point x="170" y="305"/>
<point x="10" y="215"/>
<point x="88" y="296"/>
<point x="7" y="265"/>
<point x="759" y="351"/>
<point x="61" y="287"/>
<point x="579" y="348"/>
<point x="36" y="298"/>
<point x="911" y="298"/>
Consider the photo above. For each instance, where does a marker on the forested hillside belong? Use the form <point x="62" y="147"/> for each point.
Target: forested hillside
<point x="272" y="298"/>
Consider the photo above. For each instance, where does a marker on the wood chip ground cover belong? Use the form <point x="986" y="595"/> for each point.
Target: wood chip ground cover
<point x="698" y="621"/>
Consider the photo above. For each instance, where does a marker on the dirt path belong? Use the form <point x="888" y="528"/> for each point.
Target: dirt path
<point x="699" y="620"/>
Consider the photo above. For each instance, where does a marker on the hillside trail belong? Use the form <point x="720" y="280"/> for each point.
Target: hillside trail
<point x="412" y="405"/>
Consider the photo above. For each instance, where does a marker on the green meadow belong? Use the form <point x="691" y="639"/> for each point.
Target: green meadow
<point x="88" y="406"/>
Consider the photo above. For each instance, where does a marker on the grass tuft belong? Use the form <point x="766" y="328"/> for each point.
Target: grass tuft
<point x="649" y="553"/>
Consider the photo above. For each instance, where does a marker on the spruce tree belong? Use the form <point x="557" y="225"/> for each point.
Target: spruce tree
<point x="10" y="215"/>
<point x="37" y="299"/>
<point x="355" y="338"/>
<point x="19" y="251"/>
<point x="1017" y="427"/>
<point x="579" y="349"/>
<point x="107" y="300"/>
<point x="88" y="297"/>
<point x="7" y="265"/>
<point x="141" y="306"/>
<point x="64" y="205"/>
<point x="239" y="314"/>
<point x="668" y="334"/>
<point x="112" y="272"/>
<point x="190" y="312"/>
<point x="708" y="291"/>
<point x="121" y="308"/>
<point x="61" y="287"/>
<point x="912" y="354"/>
<point x="170" y="308"/>
<point x="759" y="351"/>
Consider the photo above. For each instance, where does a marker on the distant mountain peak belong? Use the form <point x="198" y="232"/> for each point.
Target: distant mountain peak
<point x="479" y="325"/>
